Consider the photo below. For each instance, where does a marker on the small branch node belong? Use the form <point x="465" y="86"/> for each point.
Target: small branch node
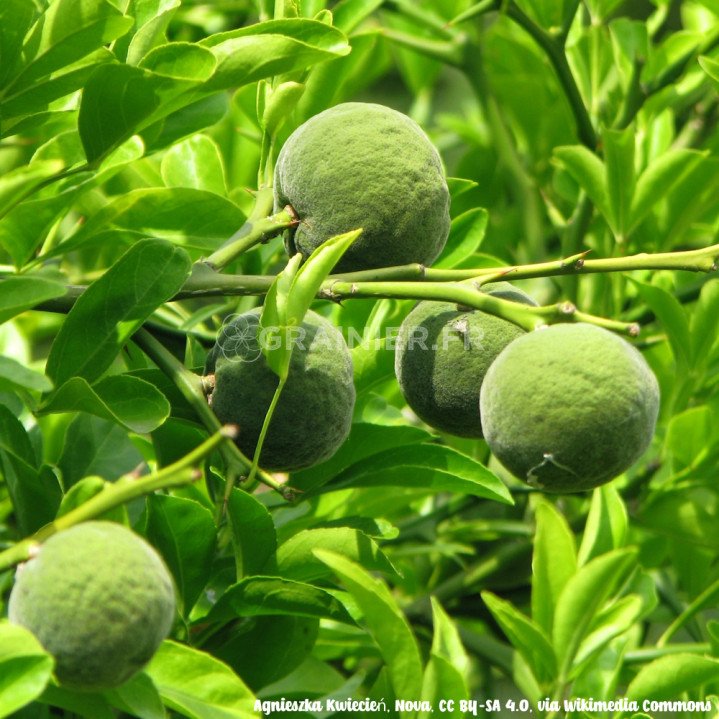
<point x="33" y="550"/>
<point x="230" y="431"/>
<point x="208" y="384"/>
<point x="566" y="308"/>
<point x="293" y="214"/>
<point x="634" y="329"/>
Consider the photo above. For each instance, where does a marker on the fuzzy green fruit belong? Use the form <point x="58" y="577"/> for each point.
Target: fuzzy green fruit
<point x="569" y="407"/>
<point x="314" y="413"/>
<point x="99" y="599"/>
<point x="364" y="165"/>
<point x="442" y="355"/>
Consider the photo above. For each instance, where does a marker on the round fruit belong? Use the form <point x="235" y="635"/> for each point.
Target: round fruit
<point x="314" y="413"/>
<point x="443" y="352"/>
<point x="364" y="165"/>
<point x="99" y="599"/>
<point x="569" y="407"/>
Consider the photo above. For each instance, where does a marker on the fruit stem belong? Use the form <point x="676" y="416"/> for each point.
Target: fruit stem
<point x="701" y="260"/>
<point x="265" y="427"/>
<point x="124" y="490"/>
<point x="524" y="316"/>
<point x="258" y="228"/>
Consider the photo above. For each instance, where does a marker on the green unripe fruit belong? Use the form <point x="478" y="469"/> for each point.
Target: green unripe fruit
<point x="361" y="165"/>
<point x="569" y="407"/>
<point x="99" y="599"/>
<point x="314" y="412"/>
<point x="442" y="355"/>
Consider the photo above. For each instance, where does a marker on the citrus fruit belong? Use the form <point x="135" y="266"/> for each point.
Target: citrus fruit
<point x="314" y="412"/>
<point x="443" y="352"/>
<point x="99" y="599"/>
<point x="569" y="407"/>
<point x="361" y="165"/>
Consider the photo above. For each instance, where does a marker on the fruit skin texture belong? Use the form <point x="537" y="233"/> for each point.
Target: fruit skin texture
<point x="99" y="599"/>
<point x="364" y="165"/>
<point x="569" y="407"/>
<point x="442" y="385"/>
<point x="314" y="413"/>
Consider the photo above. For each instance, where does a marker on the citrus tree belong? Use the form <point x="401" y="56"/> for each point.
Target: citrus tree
<point x="241" y="475"/>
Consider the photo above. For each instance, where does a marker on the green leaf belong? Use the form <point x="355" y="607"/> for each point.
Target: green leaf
<point x="25" y="668"/>
<point x="552" y="15"/>
<point x="183" y="215"/>
<point x="23" y="181"/>
<point x="16" y="17"/>
<point x="659" y="178"/>
<point x="448" y="665"/>
<point x="673" y="317"/>
<point x="619" y="159"/>
<point x="589" y="172"/>
<point x="27" y="225"/>
<point x="691" y="437"/>
<point x="151" y="25"/>
<point x="687" y="514"/>
<point x="66" y="32"/>
<point x="365" y="440"/>
<point x="583" y="596"/>
<point x="188" y="119"/>
<point x="34" y="492"/>
<point x="666" y="58"/>
<point x="261" y="596"/>
<point x="277" y="349"/>
<point x="129" y="401"/>
<point x="669" y="677"/>
<point x="87" y="705"/>
<point x="426" y="466"/>
<point x="114" y="307"/>
<point x="14" y="375"/>
<point x="282" y="101"/>
<point x="296" y="558"/>
<point x="95" y="446"/>
<point x="527" y="637"/>
<point x="138" y="697"/>
<point x="348" y="14"/>
<point x="38" y="96"/>
<point x="264" y="649"/>
<point x="610" y="623"/>
<point x="309" y="278"/>
<point x="120" y="100"/>
<point x="197" y="685"/>
<point x="458" y="186"/>
<point x="115" y="101"/>
<point x="386" y="623"/>
<point x="18" y="294"/>
<point x="702" y="324"/>
<point x="271" y="48"/>
<point x="180" y="61"/>
<point x="197" y="163"/>
<point x="184" y="533"/>
<point x="253" y="534"/>
<point x="710" y="67"/>
<point x="465" y="238"/>
<point x="13" y="437"/>
<point x="607" y="524"/>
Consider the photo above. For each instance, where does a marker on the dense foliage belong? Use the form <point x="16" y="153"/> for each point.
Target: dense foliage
<point x="138" y="136"/>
